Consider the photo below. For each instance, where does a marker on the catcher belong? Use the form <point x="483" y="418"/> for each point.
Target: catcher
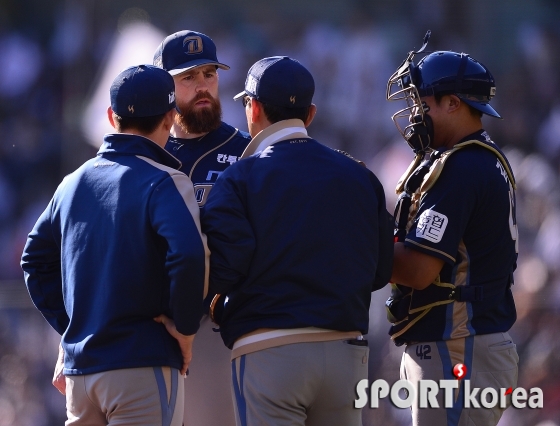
<point x="456" y="236"/>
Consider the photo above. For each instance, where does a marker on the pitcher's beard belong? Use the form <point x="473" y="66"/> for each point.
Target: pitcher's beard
<point x="200" y="120"/>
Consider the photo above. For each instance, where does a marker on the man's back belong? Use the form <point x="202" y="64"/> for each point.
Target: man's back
<point x="109" y="217"/>
<point x="312" y="244"/>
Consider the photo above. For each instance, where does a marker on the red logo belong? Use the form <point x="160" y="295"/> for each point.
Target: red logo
<point x="460" y="371"/>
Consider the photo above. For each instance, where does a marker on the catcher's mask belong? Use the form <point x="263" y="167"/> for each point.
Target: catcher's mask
<point x="442" y="72"/>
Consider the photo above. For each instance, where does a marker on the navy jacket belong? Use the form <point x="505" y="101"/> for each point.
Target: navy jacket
<point x="300" y="237"/>
<point x="119" y="244"/>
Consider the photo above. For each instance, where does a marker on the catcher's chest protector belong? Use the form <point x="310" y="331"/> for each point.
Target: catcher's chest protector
<point x="407" y="306"/>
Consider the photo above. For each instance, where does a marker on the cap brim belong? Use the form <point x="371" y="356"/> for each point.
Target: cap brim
<point x="240" y="95"/>
<point x="187" y="66"/>
<point x="484" y="108"/>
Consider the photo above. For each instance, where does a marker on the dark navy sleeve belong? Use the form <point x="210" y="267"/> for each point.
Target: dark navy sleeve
<point x="230" y="236"/>
<point x="385" y="260"/>
<point x="174" y="215"/>
<point x="385" y="224"/>
<point x="445" y="210"/>
<point x="42" y="271"/>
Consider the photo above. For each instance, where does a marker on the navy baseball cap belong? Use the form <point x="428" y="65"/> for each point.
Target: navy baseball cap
<point x="142" y="91"/>
<point x="184" y="50"/>
<point x="279" y="81"/>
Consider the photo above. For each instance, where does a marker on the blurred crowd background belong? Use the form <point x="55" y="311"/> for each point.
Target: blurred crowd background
<point x="57" y="55"/>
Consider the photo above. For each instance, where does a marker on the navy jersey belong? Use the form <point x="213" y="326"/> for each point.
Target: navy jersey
<point x="204" y="159"/>
<point x="467" y="218"/>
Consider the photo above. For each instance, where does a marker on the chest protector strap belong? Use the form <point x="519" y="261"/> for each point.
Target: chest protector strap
<point x="406" y="306"/>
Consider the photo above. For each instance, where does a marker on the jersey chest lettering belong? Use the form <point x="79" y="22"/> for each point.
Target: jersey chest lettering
<point x="502" y="170"/>
<point x="212" y="175"/>
<point x="226" y="158"/>
<point x="209" y="169"/>
<point x="201" y="192"/>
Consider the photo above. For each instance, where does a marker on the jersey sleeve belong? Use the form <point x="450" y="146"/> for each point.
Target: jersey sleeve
<point x="230" y="236"/>
<point x="444" y="211"/>
<point x="385" y="239"/>
<point x="40" y="262"/>
<point x="174" y="214"/>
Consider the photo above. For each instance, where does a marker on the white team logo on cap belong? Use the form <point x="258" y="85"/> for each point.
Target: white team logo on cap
<point x="171" y="97"/>
<point x="431" y="225"/>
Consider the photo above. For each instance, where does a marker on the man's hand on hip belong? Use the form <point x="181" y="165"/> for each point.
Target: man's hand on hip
<point x="59" y="380"/>
<point x="185" y="342"/>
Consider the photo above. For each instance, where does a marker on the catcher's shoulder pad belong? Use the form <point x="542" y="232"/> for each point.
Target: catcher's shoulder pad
<point x="349" y="156"/>
<point x="436" y="168"/>
<point x="411" y="168"/>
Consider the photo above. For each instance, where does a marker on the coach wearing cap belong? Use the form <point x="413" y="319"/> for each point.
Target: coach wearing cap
<point x="300" y="237"/>
<point x="108" y="260"/>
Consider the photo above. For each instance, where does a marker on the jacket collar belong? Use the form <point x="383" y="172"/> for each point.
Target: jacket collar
<point x="128" y="144"/>
<point x="280" y="131"/>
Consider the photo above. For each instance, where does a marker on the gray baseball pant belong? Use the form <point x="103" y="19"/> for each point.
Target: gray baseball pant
<point x="149" y="396"/>
<point x="491" y="362"/>
<point x="312" y="384"/>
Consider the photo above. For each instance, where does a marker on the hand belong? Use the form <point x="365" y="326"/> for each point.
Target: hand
<point x="59" y="380"/>
<point x="185" y="342"/>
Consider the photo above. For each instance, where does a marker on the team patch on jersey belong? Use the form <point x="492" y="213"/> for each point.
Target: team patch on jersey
<point x="431" y="226"/>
